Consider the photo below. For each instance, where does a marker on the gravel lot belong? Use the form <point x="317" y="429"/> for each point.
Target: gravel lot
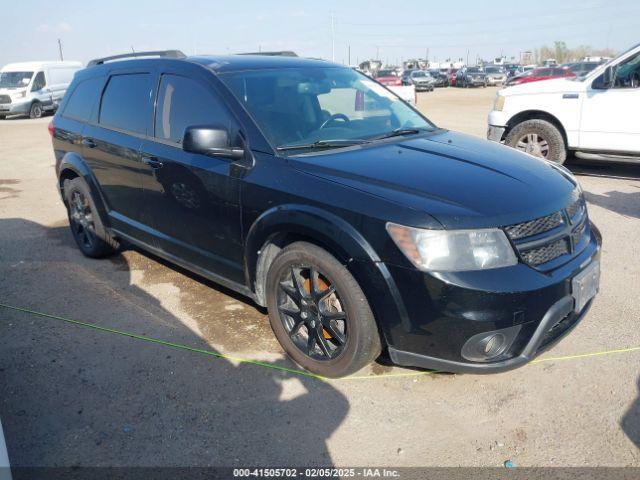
<point x="74" y="395"/>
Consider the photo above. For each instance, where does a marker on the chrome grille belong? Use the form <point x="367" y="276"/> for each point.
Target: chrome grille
<point x="542" y="240"/>
<point x="534" y="227"/>
<point x="5" y="99"/>
<point x="546" y="253"/>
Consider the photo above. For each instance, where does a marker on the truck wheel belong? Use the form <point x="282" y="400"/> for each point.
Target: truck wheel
<point x="2" y="117"/>
<point x="36" y="110"/>
<point x="319" y="313"/>
<point x="538" y="138"/>
<point x="84" y="221"/>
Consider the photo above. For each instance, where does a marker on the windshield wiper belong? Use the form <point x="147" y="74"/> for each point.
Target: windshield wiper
<point x="398" y="132"/>
<point x="323" y="144"/>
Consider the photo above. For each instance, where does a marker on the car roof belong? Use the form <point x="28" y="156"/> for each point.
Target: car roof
<point x="230" y="63"/>
<point x="30" y="66"/>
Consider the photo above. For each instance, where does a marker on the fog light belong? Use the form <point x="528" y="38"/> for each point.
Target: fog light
<point x="494" y="345"/>
<point x="487" y="346"/>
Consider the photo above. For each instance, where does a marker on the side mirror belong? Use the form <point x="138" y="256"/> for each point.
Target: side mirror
<point x="606" y="80"/>
<point x="211" y="141"/>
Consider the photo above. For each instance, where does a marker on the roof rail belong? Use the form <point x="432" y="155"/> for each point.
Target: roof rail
<point x="157" y="53"/>
<point x="283" y="53"/>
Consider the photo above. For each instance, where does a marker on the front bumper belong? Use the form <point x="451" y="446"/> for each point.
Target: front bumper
<point x="15" y="108"/>
<point x="495" y="134"/>
<point x="423" y="87"/>
<point x="445" y="311"/>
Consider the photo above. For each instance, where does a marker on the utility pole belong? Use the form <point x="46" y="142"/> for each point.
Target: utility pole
<point x="467" y="57"/>
<point x="377" y="52"/>
<point x="349" y="55"/>
<point x="60" y="50"/>
<point x="333" y="39"/>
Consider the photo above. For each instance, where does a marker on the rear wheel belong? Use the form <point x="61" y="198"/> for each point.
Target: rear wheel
<point x="36" y="110"/>
<point x="319" y="313"/>
<point x="2" y="117"/>
<point x="538" y="138"/>
<point x="84" y="221"/>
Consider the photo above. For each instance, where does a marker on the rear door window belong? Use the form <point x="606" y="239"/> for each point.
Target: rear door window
<point x="83" y="99"/>
<point x="125" y="102"/>
<point x="183" y="102"/>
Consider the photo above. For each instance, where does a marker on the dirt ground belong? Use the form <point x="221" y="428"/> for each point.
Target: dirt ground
<point x="72" y="394"/>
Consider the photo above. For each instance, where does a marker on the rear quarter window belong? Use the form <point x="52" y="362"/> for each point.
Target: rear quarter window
<point x="126" y="102"/>
<point x="83" y="99"/>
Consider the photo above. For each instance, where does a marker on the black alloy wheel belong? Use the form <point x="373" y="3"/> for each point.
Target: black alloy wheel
<point x="311" y="313"/>
<point x="81" y="219"/>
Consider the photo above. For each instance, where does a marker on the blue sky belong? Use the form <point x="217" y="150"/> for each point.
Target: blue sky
<point x="396" y="29"/>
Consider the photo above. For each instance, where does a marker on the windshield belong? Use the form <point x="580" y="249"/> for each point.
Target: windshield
<point x="492" y="70"/>
<point x="418" y="74"/>
<point x="15" y="79"/>
<point x="474" y="70"/>
<point x="300" y="106"/>
<point x="386" y="73"/>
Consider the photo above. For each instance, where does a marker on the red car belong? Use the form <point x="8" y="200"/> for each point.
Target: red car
<point x="451" y="75"/>
<point x="388" y="78"/>
<point x="545" y="73"/>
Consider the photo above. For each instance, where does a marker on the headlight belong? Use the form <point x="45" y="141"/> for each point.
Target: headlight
<point x="498" y="103"/>
<point x="20" y="94"/>
<point x="453" y="250"/>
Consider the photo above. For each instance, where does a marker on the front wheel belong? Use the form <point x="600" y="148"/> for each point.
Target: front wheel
<point x="319" y="313"/>
<point x="538" y="138"/>
<point x="35" y="111"/>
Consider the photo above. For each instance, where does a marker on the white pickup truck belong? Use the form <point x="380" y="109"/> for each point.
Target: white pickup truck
<point x="596" y="116"/>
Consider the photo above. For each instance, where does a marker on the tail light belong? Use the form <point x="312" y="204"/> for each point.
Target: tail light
<point x="50" y="128"/>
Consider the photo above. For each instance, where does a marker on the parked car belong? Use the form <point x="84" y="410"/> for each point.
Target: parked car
<point x="394" y="83"/>
<point x="421" y="80"/>
<point x="316" y="192"/>
<point x="511" y="69"/>
<point x="452" y="76"/>
<point x="594" y="116"/>
<point x="388" y="78"/>
<point x="33" y="88"/>
<point x="440" y="78"/>
<point x="495" y="75"/>
<point x="539" y="74"/>
<point x="471" y="77"/>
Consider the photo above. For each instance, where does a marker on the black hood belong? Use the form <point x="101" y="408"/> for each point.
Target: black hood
<point x="462" y="181"/>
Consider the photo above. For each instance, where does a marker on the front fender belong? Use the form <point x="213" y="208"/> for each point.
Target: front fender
<point x="344" y="241"/>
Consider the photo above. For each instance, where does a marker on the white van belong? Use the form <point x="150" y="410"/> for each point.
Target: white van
<point x="32" y="88"/>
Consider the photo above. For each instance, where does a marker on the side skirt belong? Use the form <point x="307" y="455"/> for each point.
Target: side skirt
<point x="230" y="284"/>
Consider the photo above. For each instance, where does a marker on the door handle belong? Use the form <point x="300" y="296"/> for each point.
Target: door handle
<point x="153" y="162"/>
<point x="87" y="142"/>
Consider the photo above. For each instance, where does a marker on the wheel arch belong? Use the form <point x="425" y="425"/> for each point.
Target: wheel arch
<point x="278" y="227"/>
<point x="536" y="115"/>
<point x="73" y="166"/>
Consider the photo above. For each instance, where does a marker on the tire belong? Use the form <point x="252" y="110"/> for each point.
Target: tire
<point x="546" y="131"/>
<point x="36" y="110"/>
<point x="3" y="117"/>
<point x="357" y="331"/>
<point x="87" y="229"/>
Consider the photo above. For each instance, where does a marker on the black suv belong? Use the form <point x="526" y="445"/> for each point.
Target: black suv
<point x="318" y="193"/>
